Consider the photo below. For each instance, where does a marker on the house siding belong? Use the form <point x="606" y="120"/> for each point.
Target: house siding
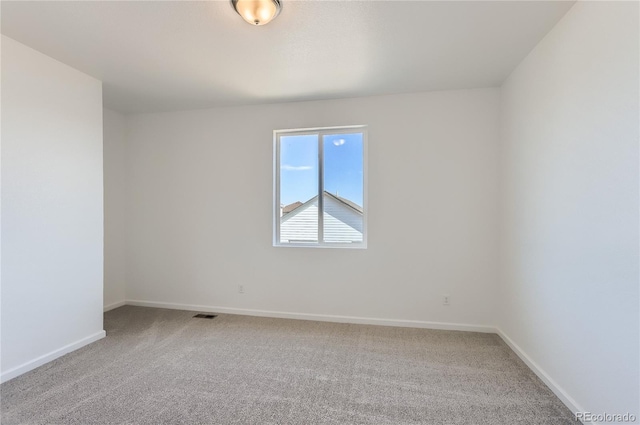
<point x="302" y="226"/>
<point x="342" y="224"/>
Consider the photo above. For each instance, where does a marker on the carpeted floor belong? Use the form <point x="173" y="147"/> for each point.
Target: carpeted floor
<point x="164" y="367"/>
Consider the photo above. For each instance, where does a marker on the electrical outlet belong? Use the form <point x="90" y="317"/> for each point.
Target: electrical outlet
<point x="241" y="289"/>
<point x="446" y="299"/>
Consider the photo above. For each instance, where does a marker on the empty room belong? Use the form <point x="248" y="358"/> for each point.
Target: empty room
<point x="320" y="212"/>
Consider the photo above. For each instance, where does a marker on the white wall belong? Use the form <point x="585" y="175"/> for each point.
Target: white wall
<point x="51" y="208"/>
<point x="199" y="210"/>
<point x="114" y="208"/>
<point x="569" y="280"/>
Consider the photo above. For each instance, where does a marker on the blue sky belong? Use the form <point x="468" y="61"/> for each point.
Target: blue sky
<point x="343" y="167"/>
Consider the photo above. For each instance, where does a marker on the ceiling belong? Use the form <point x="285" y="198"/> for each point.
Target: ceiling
<point x="174" y="55"/>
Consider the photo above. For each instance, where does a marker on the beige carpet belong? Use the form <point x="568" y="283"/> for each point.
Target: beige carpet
<point x="164" y="367"/>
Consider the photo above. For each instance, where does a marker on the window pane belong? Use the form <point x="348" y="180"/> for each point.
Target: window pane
<point x="299" y="189"/>
<point x="343" y="197"/>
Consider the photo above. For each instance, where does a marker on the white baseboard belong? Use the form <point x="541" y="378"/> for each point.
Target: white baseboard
<point x="317" y="317"/>
<point x="114" y="305"/>
<point x="30" y="365"/>
<point x="553" y="385"/>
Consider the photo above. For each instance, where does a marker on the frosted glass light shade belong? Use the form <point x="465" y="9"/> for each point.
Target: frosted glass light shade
<point x="257" y="12"/>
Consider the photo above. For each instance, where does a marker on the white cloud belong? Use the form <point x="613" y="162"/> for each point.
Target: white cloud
<point x="338" y="142"/>
<point x="288" y="167"/>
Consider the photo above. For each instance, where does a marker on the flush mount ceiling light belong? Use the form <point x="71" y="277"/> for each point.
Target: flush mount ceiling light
<point x="257" y="12"/>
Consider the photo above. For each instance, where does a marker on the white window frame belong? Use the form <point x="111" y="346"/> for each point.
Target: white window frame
<point x="320" y="131"/>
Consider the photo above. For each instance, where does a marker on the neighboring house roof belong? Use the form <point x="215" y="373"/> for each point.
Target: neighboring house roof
<point x="296" y="205"/>
<point x="288" y="208"/>
<point x="348" y="202"/>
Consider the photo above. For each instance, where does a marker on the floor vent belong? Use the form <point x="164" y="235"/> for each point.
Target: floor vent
<point x="205" y="316"/>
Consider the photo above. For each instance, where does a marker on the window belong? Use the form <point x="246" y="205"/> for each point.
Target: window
<point x="320" y="187"/>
